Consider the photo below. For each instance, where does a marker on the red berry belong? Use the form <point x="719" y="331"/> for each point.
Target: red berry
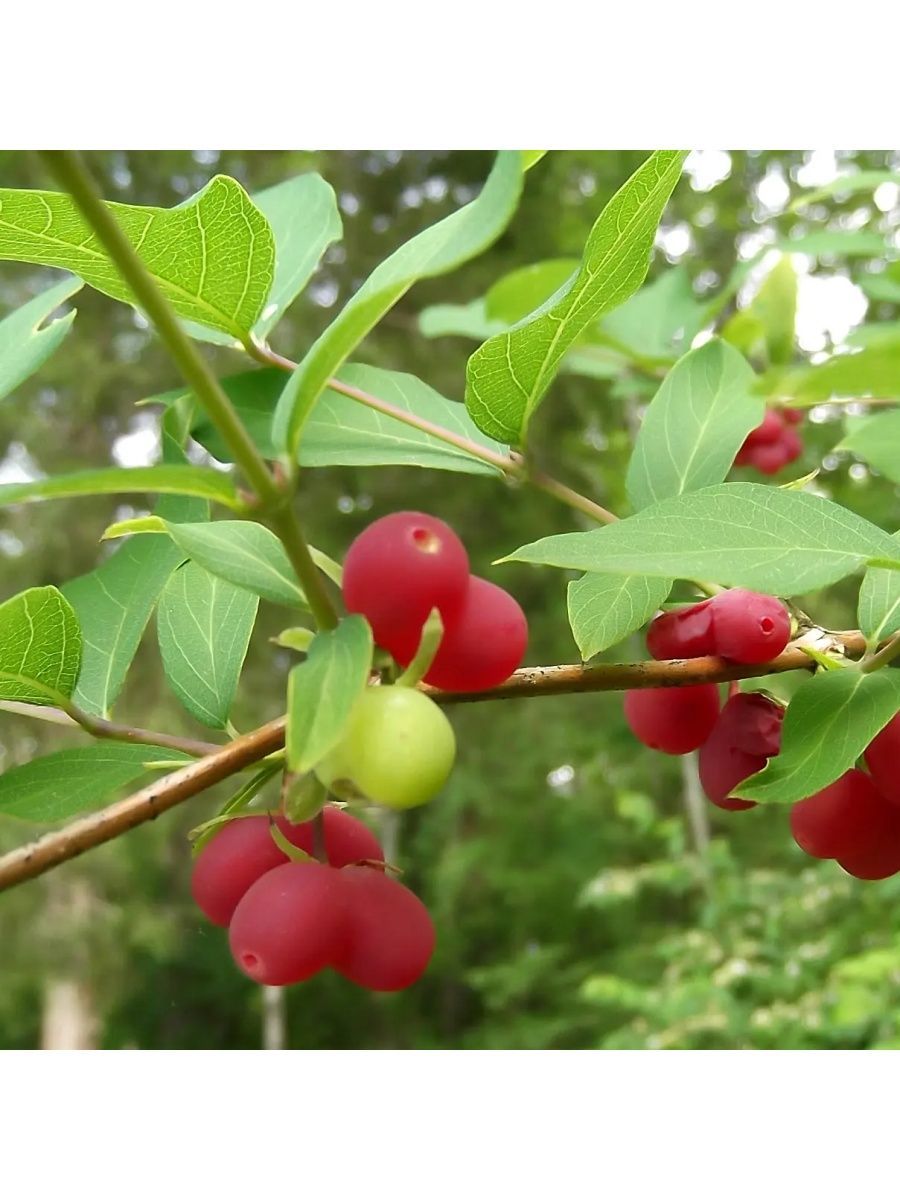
<point x="791" y="445"/>
<point x="746" y="735"/>
<point x="389" y="935"/>
<point x="749" y="627"/>
<point x="483" y="645"/>
<point x="879" y="861"/>
<point x="230" y="863"/>
<point x="244" y="850"/>
<point x="769" y="459"/>
<point x="768" y="431"/>
<point x="400" y="568"/>
<point x="793" y="416"/>
<point x="847" y="819"/>
<point x="883" y="760"/>
<point x="291" y="923"/>
<point x="674" y="720"/>
<point x="684" y="633"/>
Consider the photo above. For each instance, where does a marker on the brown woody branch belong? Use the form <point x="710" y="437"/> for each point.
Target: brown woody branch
<point x="34" y="859"/>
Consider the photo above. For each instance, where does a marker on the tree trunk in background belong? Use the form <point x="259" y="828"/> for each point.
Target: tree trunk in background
<point x="274" y="1023"/>
<point x="69" y="1021"/>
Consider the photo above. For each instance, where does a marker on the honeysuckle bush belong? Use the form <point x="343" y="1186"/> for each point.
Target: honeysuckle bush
<point x="72" y="647"/>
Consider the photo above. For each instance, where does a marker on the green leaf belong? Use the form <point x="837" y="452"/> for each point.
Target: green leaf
<point x="875" y="333"/>
<point x="874" y="371"/>
<point x="876" y="440"/>
<point x="848" y="243"/>
<point x="40" y="647"/>
<point x="434" y="251"/>
<point x="204" y="625"/>
<point x="114" y="602"/>
<point x="604" y="609"/>
<point x="878" y="611"/>
<point x="884" y="286"/>
<point x="26" y="342"/>
<point x="342" y="431"/>
<point x="845" y="185"/>
<point x="304" y="219"/>
<point x="459" y="320"/>
<point x="740" y="534"/>
<point x="507" y="377"/>
<point x="531" y="157"/>
<point x="515" y="295"/>
<point x="201" y="482"/>
<point x="213" y="257"/>
<point x="323" y="690"/>
<point x="775" y="307"/>
<point x="828" y="724"/>
<point x="659" y="316"/>
<point x="695" y="425"/>
<point x="243" y="553"/>
<point x="60" y="785"/>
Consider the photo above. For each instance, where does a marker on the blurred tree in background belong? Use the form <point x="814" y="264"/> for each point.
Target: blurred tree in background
<point x="583" y="895"/>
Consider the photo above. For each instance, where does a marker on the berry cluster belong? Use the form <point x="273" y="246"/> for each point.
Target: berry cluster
<point x="856" y="819"/>
<point x="404" y="565"/>
<point x="744" y="627"/>
<point x="774" y="443"/>
<point x="288" y="920"/>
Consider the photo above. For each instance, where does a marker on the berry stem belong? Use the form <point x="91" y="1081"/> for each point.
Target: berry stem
<point x="429" y="644"/>
<point x="882" y="657"/>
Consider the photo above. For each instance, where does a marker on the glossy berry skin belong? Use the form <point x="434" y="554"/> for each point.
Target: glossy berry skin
<point x="883" y="760"/>
<point x="674" y="720"/>
<point x="484" y="644"/>
<point x="749" y="627"/>
<point x="291" y="923"/>
<point x="879" y="861"/>
<point x="683" y="633"/>
<point x="746" y="735"/>
<point x="849" y="818"/>
<point x="244" y="850"/>
<point x="400" y="568"/>
<point x="389" y="935"/>
<point x="398" y="749"/>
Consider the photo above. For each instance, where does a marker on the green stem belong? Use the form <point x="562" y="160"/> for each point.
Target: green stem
<point x="885" y="655"/>
<point x="69" y="169"/>
<point x="429" y="644"/>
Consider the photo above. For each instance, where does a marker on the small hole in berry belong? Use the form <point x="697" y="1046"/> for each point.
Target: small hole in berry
<point x="426" y="541"/>
<point x="250" y="961"/>
<point x="767" y="625"/>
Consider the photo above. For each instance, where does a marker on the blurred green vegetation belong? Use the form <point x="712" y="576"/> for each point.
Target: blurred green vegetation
<point x="577" y="905"/>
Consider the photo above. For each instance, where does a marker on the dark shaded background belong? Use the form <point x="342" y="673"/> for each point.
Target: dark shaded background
<point x="576" y="903"/>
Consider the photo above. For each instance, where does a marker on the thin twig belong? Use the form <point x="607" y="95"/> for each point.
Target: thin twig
<point x="98" y="727"/>
<point x="32" y="860"/>
<point x="885" y="655"/>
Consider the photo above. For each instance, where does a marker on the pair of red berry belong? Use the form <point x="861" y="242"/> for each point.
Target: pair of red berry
<point x="289" y="920"/>
<point x="774" y="443"/>
<point x="856" y="819"/>
<point x="404" y="565"/>
<point x="739" y="625"/>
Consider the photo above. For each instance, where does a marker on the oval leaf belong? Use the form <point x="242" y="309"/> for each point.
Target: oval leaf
<point x="740" y="534"/>
<point x="204" y="625"/>
<point x="604" y="609"/>
<point x="877" y="440"/>
<point x="40" y="647"/>
<point x="213" y="257"/>
<point x="202" y="482"/>
<point x="828" y="724"/>
<point x="243" y="553"/>
<point x="435" y="251"/>
<point x="323" y="690"/>
<point x="695" y="425"/>
<point x="60" y="785"/>
<point x="878" y="610"/>
<point x="507" y="377"/>
<point x="26" y="342"/>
